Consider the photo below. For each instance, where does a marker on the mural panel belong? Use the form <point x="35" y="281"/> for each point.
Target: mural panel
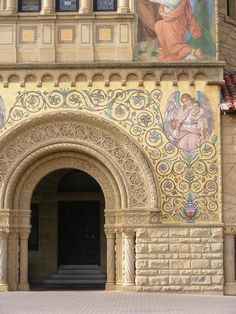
<point x="175" y="30"/>
<point x="176" y="128"/>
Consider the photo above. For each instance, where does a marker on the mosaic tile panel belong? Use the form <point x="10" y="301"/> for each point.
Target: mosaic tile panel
<point x="104" y="34"/>
<point x="28" y="35"/>
<point x="66" y="34"/>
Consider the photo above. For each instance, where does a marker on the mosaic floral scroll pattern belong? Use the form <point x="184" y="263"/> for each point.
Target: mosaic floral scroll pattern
<point x="188" y="180"/>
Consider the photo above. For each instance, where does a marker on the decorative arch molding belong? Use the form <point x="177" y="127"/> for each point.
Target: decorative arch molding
<point x="74" y="160"/>
<point x="88" y="134"/>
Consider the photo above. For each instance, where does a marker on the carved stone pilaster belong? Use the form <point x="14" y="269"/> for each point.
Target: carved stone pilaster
<point x="13" y="260"/>
<point x="229" y="254"/>
<point x="119" y="256"/>
<point x="110" y="257"/>
<point x="3" y="261"/>
<point x="23" y="284"/>
<point x="128" y="235"/>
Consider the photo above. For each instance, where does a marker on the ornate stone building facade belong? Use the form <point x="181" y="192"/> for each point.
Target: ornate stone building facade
<point x="96" y="88"/>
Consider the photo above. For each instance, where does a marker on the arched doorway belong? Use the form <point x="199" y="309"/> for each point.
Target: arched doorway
<point x="87" y="143"/>
<point x="67" y="240"/>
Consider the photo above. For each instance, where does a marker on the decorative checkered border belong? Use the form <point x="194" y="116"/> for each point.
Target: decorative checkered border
<point x="98" y="27"/>
<point x="69" y="27"/>
<point x="22" y="29"/>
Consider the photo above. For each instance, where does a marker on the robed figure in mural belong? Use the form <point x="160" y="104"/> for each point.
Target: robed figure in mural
<point x="171" y="22"/>
<point x="188" y="122"/>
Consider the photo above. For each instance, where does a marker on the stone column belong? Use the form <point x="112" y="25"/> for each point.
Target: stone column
<point x="85" y="6"/>
<point x="3" y="261"/>
<point x="13" y="264"/>
<point x="2" y="5"/>
<point x="48" y="7"/>
<point x="119" y="257"/>
<point x="23" y="284"/>
<point x="123" y="6"/>
<point x="229" y="257"/>
<point x="11" y="6"/>
<point x="110" y="259"/>
<point x="129" y="257"/>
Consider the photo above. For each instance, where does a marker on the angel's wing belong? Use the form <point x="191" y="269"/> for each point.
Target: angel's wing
<point x="2" y="112"/>
<point x="206" y="106"/>
<point x="172" y="108"/>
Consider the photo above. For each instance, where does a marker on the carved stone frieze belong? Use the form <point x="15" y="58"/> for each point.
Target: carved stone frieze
<point x="134" y="218"/>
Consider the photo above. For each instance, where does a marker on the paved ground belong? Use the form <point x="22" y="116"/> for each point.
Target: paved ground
<point x="113" y="302"/>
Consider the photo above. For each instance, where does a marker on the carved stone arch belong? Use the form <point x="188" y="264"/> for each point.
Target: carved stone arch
<point x="74" y="160"/>
<point x="93" y="136"/>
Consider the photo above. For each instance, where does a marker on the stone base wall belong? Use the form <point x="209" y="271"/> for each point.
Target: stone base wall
<point x="180" y="259"/>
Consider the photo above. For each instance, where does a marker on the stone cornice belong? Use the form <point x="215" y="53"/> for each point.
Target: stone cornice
<point x="113" y="65"/>
<point x="211" y="72"/>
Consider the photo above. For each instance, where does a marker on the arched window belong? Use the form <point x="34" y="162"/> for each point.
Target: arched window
<point x="29" y="5"/>
<point x="105" y="5"/>
<point x="67" y="5"/>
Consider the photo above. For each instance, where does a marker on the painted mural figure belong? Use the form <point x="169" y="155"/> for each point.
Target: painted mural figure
<point x="188" y="124"/>
<point x="170" y="21"/>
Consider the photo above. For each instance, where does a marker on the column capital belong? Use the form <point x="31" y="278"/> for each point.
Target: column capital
<point x="128" y="232"/>
<point x="110" y="233"/>
<point x="229" y="231"/>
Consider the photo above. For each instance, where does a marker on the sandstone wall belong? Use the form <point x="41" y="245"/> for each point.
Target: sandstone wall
<point x="229" y="168"/>
<point x="227" y="37"/>
<point x="180" y="259"/>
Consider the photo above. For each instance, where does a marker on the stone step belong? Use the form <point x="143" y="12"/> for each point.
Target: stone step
<point x="73" y="281"/>
<point x="79" y="267"/>
<point x="78" y="276"/>
<point x="79" y="271"/>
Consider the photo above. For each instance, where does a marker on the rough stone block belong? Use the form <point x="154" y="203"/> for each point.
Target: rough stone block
<point x="141" y="248"/>
<point x="142" y="280"/>
<point x="216" y="233"/>
<point x="180" y="280"/>
<point x="157" y="248"/>
<point x="157" y="264"/>
<point x="141" y="264"/>
<point x="158" y="280"/>
<point x="217" y="264"/>
<point x="141" y="233"/>
<point x="179" y="264"/>
<point x="179" y="248"/>
<point x="201" y="280"/>
<point x="200" y="263"/>
<point x="179" y="232"/>
<point x="172" y="288"/>
<point x="158" y="233"/>
<point x="217" y="247"/>
<point x="200" y="248"/>
<point x="217" y="280"/>
<point x="200" y="232"/>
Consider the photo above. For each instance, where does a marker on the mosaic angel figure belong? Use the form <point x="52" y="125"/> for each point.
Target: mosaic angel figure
<point x="2" y="112"/>
<point x="188" y="122"/>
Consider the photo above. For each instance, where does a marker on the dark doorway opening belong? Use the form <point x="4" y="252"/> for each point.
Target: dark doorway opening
<point x="79" y="233"/>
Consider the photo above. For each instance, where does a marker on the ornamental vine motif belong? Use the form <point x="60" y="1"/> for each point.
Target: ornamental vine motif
<point x="187" y="179"/>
